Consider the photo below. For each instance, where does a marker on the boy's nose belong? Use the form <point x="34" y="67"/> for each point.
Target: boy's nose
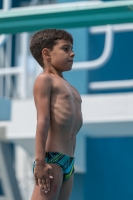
<point x="72" y="54"/>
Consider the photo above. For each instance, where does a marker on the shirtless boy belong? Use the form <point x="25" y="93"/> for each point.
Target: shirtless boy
<point x="59" y="117"/>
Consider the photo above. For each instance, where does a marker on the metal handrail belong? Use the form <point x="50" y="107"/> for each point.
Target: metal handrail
<point x="94" y="64"/>
<point x="11" y="71"/>
<point x="116" y="28"/>
<point x="115" y="84"/>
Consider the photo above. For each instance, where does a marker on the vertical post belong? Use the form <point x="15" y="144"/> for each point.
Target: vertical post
<point x="8" y="65"/>
<point x="9" y="182"/>
<point x="4" y="176"/>
<point x="1" y="66"/>
<point x="7" y="4"/>
<point x="24" y="76"/>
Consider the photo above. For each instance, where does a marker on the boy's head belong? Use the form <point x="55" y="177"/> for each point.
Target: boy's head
<point x="47" y="38"/>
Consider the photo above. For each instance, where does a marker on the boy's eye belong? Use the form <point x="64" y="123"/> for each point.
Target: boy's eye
<point x="66" y="48"/>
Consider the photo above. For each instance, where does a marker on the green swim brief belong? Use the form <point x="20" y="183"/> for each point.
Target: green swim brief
<point x="64" y="161"/>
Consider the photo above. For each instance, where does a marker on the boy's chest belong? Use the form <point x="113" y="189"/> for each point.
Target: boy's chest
<point x="67" y="92"/>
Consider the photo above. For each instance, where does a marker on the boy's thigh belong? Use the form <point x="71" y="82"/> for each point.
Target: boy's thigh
<point x="66" y="189"/>
<point x="55" y="186"/>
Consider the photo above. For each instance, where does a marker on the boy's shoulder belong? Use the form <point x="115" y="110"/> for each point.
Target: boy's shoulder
<point x="43" y="82"/>
<point x="44" y="78"/>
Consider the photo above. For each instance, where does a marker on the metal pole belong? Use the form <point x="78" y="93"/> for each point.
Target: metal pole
<point x="5" y="178"/>
<point x="7" y="4"/>
<point x="1" y="66"/>
<point x="24" y="75"/>
<point x="8" y="65"/>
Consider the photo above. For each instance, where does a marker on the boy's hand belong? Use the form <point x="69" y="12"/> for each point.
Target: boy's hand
<point x="43" y="174"/>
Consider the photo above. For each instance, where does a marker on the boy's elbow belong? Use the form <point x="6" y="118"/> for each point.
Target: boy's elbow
<point x="43" y="122"/>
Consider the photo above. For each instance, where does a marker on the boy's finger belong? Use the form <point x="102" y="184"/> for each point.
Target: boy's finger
<point x="43" y="182"/>
<point x="48" y="183"/>
<point x="45" y="186"/>
<point x="36" y="179"/>
<point x="50" y="173"/>
<point x="36" y="182"/>
<point x="40" y="183"/>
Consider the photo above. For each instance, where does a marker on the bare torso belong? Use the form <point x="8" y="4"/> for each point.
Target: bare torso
<point x="65" y="117"/>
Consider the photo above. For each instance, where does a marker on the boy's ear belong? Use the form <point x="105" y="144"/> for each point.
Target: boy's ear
<point x="46" y="53"/>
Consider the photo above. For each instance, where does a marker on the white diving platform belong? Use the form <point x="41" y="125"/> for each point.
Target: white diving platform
<point x="98" y="109"/>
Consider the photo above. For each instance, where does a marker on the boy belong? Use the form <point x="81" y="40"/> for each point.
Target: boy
<point x="59" y="117"/>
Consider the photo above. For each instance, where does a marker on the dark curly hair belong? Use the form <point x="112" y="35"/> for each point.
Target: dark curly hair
<point x="46" y="39"/>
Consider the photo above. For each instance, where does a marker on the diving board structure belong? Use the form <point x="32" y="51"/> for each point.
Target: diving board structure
<point x="96" y="109"/>
<point x="65" y="15"/>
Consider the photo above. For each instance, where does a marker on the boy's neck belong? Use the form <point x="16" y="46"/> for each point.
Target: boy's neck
<point x="53" y="71"/>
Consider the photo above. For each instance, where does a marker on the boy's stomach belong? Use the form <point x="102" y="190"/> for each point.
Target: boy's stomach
<point x="61" y="144"/>
<point x="62" y="136"/>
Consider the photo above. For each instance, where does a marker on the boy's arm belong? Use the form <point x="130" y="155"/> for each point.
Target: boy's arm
<point x="42" y="93"/>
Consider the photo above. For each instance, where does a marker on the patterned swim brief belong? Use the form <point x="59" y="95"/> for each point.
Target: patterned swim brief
<point x="64" y="161"/>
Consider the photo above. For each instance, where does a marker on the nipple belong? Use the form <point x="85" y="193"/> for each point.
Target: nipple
<point x="67" y="95"/>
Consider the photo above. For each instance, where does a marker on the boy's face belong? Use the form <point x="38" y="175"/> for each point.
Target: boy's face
<point x="62" y="56"/>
